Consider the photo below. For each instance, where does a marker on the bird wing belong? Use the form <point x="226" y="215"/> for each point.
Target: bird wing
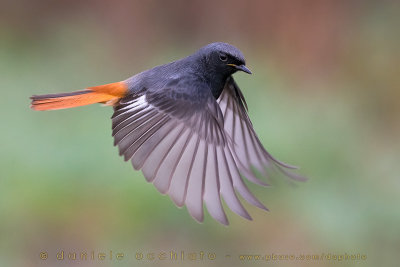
<point x="179" y="143"/>
<point x="250" y="153"/>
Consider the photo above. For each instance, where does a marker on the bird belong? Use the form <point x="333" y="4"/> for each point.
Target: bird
<point x="185" y="125"/>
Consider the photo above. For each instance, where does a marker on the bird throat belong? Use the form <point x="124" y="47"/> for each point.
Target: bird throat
<point x="217" y="84"/>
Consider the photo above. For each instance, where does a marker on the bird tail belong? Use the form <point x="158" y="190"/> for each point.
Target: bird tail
<point x="107" y="94"/>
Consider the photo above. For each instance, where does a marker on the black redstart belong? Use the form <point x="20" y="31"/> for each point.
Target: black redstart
<point x="185" y="125"/>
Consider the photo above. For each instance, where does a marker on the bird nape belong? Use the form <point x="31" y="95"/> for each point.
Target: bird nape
<point x="185" y="126"/>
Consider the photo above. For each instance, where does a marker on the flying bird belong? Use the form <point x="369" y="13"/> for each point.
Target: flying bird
<point x="185" y="126"/>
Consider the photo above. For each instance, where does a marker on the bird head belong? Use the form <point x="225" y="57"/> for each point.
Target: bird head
<point x="223" y="58"/>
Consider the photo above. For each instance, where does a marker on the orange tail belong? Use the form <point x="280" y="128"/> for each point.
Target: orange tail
<point x="108" y="94"/>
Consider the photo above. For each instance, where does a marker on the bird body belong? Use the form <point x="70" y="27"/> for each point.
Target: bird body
<point x="185" y="125"/>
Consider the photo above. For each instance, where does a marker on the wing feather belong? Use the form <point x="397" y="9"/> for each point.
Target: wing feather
<point x="195" y="189"/>
<point x="195" y="149"/>
<point x="212" y="188"/>
<point x="144" y="151"/>
<point x="247" y="149"/>
<point x="157" y="156"/>
<point x="226" y="184"/>
<point x="169" y="163"/>
<point x="182" y="173"/>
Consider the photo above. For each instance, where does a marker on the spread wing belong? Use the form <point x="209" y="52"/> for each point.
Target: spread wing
<point x="180" y="144"/>
<point x="247" y="147"/>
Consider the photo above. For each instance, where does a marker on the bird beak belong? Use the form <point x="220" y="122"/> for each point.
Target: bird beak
<point x="240" y="67"/>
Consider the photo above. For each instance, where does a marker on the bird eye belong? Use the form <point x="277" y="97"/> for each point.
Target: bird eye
<point x="223" y="57"/>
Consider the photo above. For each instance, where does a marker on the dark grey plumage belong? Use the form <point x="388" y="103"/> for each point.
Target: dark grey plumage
<point x="185" y="125"/>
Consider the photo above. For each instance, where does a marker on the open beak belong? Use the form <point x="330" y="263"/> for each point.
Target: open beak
<point x="240" y="67"/>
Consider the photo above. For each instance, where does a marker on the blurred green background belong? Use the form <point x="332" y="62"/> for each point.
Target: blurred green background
<point x="324" y="95"/>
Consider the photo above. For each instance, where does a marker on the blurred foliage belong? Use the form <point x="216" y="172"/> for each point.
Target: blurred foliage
<point x="324" y="96"/>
